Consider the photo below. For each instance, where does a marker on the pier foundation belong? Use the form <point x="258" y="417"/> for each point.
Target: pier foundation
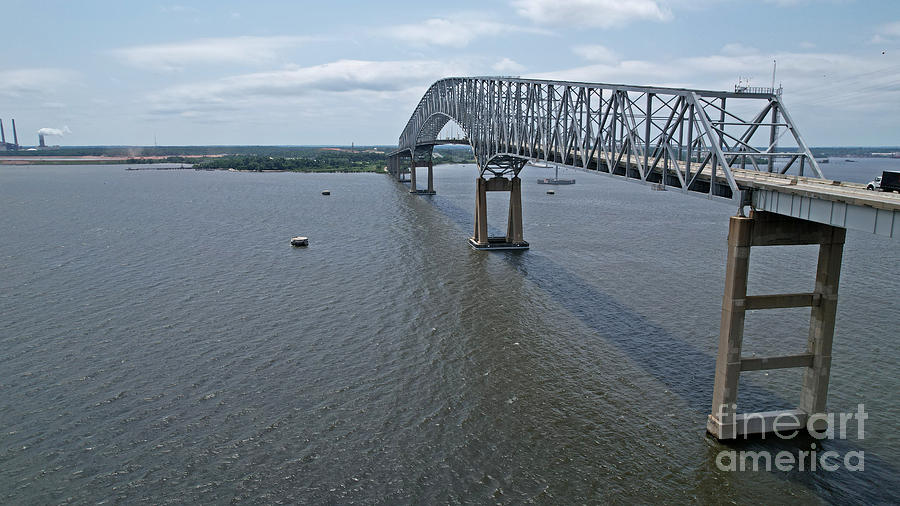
<point x="412" y="177"/>
<point x="513" y="240"/>
<point x="767" y="229"/>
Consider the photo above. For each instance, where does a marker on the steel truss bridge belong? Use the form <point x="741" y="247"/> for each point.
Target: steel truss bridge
<point x="738" y="147"/>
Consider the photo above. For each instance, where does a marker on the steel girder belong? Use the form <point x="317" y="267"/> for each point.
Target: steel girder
<point x="681" y="138"/>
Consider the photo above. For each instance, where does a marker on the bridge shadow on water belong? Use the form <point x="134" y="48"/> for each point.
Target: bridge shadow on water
<point x="686" y="370"/>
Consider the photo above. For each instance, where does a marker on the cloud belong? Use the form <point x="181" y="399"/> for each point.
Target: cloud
<point x="596" y="53"/>
<point x="738" y="49"/>
<point x="456" y="31"/>
<point x="343" y="77"/>
<point x="508" y="66"/>
<point x="888" y="32"/>
<point x="175" y="9"/>
<point x="840" y="82"/>
<point x="36" y="81"/>
<point x="795" y="3"/>
<point x="176" y="56"/>
<point x="591" y="13"/>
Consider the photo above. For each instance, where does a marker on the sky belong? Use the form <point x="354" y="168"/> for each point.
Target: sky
<point x="334" y="72"/>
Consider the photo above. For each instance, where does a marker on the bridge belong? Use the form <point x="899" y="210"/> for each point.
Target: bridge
<point x="739" y="147"/>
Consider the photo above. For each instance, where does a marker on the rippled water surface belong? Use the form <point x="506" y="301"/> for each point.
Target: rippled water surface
<point x="161" y="341"/>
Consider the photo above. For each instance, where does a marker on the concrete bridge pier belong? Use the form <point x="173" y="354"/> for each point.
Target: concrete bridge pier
<point x="513" y="240"/>
<point x="395" y="168"/>
<point x="412" y="177"/>
<point x="768" y="229"/>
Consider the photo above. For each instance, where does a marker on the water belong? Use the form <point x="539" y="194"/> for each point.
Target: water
<point x="162" y="342"/>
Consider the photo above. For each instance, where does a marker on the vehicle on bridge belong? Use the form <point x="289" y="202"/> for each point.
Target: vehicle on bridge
<point x="888" y="181"/>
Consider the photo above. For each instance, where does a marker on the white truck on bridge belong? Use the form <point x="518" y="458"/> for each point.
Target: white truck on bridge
<point x="888" y="181"/>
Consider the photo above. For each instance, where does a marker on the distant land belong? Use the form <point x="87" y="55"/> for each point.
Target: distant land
<point x="296" y="158"/>
<point x="244" y="158"/>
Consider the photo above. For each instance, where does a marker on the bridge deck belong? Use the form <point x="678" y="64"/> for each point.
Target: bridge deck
<point x="839" y="203"/>
<point x="842" y="204"/>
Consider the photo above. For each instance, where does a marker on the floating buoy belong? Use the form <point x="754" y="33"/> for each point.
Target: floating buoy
<point x="551" y="192"/>
<point x="299" y="241"/>
<point x="326" y="192"/>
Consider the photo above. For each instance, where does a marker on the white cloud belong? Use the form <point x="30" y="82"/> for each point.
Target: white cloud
<point x="176" y="56"/>
<point x="785" y="3"/>
<point x="794" y="3"/>
<point x="888" y="32"/>
<point x="343" y="77"/>
<point x="35" y="81"/>
<point x="838" y="82"/>
<point x="456" y="31"/>
<point x="738" y="49"/>
<point x="591" y="13"/>
<point x="596" y="53"/>
<point x="508" y="66"/>
<point x="177" y="9"/>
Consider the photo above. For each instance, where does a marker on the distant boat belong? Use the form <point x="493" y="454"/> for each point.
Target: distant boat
<point x="823" y="160"/>
<point x="555" y="179"/>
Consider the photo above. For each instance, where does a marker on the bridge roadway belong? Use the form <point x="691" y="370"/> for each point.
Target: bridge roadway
<point x="839" y="203"/>
<point x="683" y="140"/>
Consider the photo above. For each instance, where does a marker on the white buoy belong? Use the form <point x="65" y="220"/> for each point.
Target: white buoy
<point x="299" y="241"/>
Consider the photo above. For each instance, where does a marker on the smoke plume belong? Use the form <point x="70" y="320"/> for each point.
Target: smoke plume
<point x="55" y="131"/>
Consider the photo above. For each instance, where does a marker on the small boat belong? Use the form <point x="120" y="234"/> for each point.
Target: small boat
<point x="551" y="192"/>
<point x="326" y="192"/>
<point x="299" y="241"/>
<point x="555" y="179"/>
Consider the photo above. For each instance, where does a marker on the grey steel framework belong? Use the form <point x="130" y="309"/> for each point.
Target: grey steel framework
<point x="681" y="138"/>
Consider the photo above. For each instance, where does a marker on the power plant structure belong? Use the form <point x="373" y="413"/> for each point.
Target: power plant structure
<point x="14" y="145"/>
<point x="41" y="141"/>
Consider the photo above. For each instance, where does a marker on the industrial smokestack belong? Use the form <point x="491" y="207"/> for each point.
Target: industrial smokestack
<point x="2" y="133"/>
<point x="41" y="141"/>
<point x="15" y="135"/>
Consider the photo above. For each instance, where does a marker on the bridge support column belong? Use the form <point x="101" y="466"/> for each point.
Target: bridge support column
<point x="480" y="238"/>
<point x="513" y="239"/>
<point x="514" y="223"/>
<point x="766" y="229"/>
<point x="412" y="177"/>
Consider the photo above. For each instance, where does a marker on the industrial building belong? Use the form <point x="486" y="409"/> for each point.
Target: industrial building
<point x="9" y="146"/>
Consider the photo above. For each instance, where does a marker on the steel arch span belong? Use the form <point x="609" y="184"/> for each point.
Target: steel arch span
<point x="693" y="140"/>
